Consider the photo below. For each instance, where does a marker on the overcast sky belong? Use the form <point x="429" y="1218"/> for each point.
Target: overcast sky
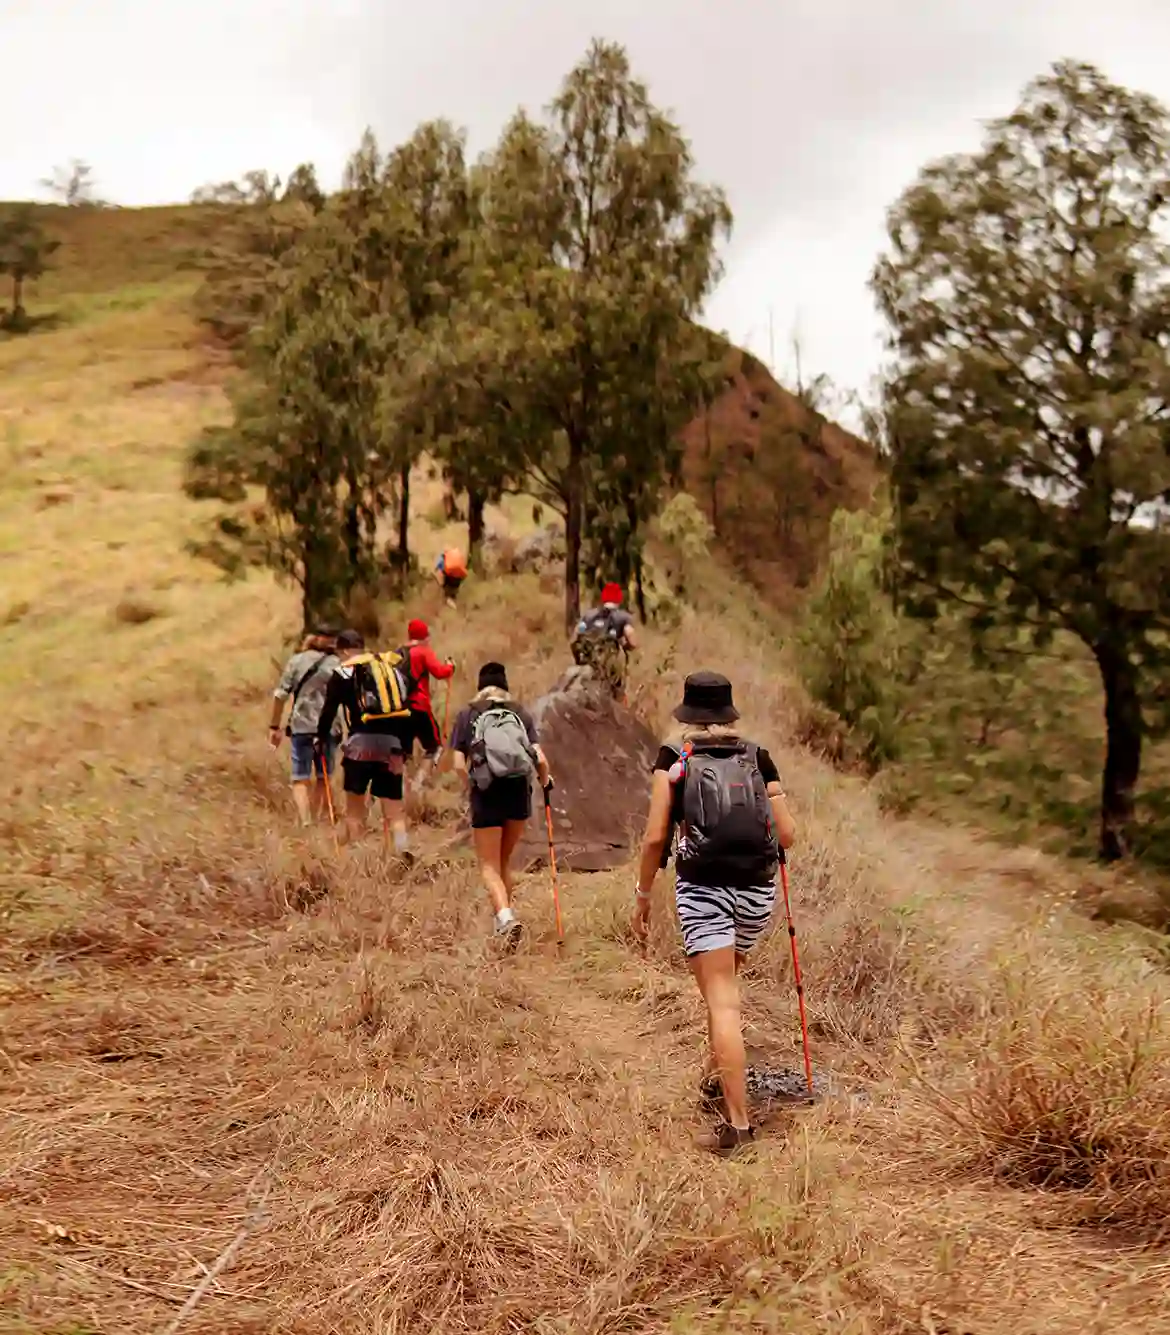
<point x="813" y="114"/>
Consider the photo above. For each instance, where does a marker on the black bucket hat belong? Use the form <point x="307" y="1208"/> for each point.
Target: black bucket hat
<point x="493" y="674"/>
<point x="706" y="699"/>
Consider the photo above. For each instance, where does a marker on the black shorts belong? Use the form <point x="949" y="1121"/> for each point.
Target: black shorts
<point x="365" y="762"/>
<point x="425" y="731"/>
<point x="451" y="584"/>
<point x="503" y="800"/>
<point x="362" y="776"/>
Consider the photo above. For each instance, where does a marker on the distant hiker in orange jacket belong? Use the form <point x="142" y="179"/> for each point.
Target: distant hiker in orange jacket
<point x="450" y="572"/>
<point x="424" y="664"/>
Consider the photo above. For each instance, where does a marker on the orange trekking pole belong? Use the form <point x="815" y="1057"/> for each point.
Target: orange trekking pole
<point x="552" y="861"/>
<point x="796" y="971"/>
<point x="325" y="783"/>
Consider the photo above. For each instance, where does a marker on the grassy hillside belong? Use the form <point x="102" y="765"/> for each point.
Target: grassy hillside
<point x="217" y="1035"/>
<point x="769" y="474"/>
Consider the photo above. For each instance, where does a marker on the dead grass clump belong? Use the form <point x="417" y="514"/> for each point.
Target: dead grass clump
<point x="307" y="887"/>
<point x="827" y="736"/>
<point x="136" y="612"/>
<point x="113" y="945"/>
<point x="1069" y="1095"/>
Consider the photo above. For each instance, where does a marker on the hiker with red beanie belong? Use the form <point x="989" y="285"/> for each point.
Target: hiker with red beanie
<point x="424" y="664"/>
<point x="604" y="639"/>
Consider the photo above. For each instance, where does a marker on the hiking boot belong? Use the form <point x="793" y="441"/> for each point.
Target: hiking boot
<point x="726" y="1139"/>
<point x="508" y="934"/>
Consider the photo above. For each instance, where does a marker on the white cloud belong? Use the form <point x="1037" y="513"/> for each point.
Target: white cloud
<point x="813" y="113"/>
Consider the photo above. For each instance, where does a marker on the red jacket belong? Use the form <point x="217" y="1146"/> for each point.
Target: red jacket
<point x="423" y="666"/>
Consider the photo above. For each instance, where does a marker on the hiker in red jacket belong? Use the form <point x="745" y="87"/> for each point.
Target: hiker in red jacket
<point x="424" y="664"/>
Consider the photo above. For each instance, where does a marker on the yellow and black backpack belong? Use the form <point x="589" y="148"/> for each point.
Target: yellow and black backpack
<point x="383" y="684"/>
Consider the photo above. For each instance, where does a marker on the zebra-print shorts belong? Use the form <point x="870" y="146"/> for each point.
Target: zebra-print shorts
<point x="715" y="916"/>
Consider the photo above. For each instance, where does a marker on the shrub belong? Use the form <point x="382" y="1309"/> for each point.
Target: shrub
<point x="851" y="640"/>
<point x="1069" y="1095"/>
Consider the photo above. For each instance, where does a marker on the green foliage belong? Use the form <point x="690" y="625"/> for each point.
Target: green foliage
<point x="577" y="350"/>
<point x="529" y="321"/>
<point x="1027" y="290"/>
<point x="259" y="226"/>
<point x="853" y="648"/>
<point x="25" y="250"/>
<point x="686" y="533"/>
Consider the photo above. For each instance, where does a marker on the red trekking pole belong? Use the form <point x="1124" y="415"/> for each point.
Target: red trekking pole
<point x="796" y="971"/>
<point x="552" y="859"/>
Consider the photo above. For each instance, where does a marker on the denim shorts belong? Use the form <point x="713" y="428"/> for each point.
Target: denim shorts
<point x="304" y="766"/>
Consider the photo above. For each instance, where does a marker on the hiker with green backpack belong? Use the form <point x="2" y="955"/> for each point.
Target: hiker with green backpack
<point x="497" y="749"/>
<point x="723" y="795"/>
<point x="372" y="691"/>
<point x="604" y="639"/>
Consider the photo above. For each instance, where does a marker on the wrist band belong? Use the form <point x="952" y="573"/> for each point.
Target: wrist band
<point x="639" y="893"/>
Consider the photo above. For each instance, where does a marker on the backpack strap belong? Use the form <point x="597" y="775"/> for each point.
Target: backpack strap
<point x="296" y="690"/>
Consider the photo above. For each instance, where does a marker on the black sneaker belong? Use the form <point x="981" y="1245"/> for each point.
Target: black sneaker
<point x="509" y="934"/>
<point x="727" y="1139"/>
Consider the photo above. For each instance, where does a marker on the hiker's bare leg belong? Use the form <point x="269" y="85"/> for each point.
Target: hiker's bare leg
<point x="355" y="815"/>
<point x="510" y="836"/>
<point x="488" y="849"/>
<point x="714" y="971"/>
<point x="318" y="803"/>
<point x="395" y="807"/>
<point x="709" y="1060"/>
<point x="302" y="793"/>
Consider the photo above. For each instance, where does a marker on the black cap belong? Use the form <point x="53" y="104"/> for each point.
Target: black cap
<point x="351" y="639"/>
<point x="493" y="674"/>
<point x="706" y="699"/>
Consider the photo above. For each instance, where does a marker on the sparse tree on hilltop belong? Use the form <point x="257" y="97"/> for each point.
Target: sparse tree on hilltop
<point x="73" y="185"/>
<point x="1027" y="289"/>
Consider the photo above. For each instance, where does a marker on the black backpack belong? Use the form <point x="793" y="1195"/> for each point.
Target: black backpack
<point x="726" y="830"/>
<point x="597" y="625"/>
<point x="383" y="684"/>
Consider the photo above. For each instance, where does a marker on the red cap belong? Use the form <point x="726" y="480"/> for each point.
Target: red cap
<point x="612" y="593"/>
<point x="417" y="630"/>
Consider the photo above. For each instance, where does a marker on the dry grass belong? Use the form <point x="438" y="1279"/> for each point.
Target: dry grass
<point x="214" y="1032"/>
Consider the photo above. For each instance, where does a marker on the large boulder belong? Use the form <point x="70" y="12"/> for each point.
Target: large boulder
<point x="601" y="757"/>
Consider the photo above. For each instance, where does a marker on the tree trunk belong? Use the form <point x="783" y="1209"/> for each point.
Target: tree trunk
<point x="574" y="505"/>
<point x="404" y="516"/>
<point x="476" y="504"/>
<point x="1124" y="729"/>
<point x="639" y="590"/>
<point x="17" y="293"/>
<point x="353" y="539"/>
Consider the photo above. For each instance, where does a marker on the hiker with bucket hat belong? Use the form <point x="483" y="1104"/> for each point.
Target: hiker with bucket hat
<point x="497" y="749"/>
<point x="723" y="795"/>
<point x="604" y="639"/>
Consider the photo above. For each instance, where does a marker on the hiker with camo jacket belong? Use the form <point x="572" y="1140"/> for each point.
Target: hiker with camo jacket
<point x="304" y="682"/>
<point x="723" y="795"/>
<point x="604" y="639"/>
<point x="497" y="750"/>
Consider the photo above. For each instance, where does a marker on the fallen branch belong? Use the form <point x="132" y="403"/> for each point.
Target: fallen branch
<point x="221" y="1263"/>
